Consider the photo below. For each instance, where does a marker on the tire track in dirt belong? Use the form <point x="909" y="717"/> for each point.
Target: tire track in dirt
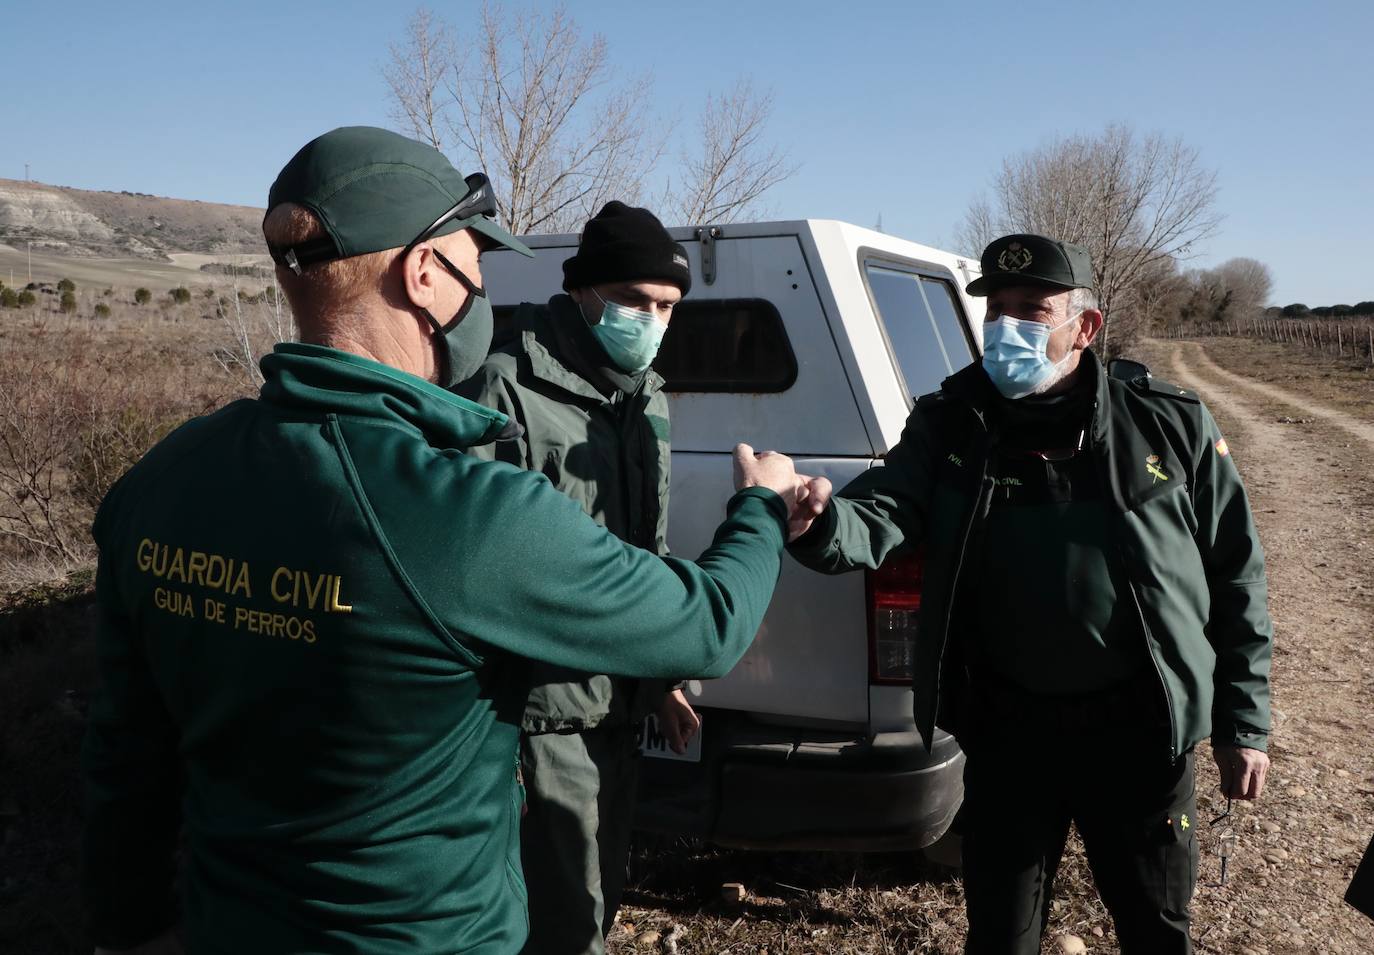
<point x="1299" y="844"/>
<point x="1363" y="430"/>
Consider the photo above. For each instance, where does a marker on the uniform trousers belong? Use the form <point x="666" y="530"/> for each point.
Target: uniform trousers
<point x="575" y="837"/>
<point x="1034" y="765"/>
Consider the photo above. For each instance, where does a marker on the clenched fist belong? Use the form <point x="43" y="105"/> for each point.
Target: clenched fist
<point x="805" y="497"/>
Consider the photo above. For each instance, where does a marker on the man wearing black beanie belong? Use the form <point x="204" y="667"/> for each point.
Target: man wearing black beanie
<point x="578" y="379"/>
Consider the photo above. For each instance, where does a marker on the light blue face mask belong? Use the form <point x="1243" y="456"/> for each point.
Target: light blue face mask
<point x="1014" y="354"/>
<point x="631" y="337"/>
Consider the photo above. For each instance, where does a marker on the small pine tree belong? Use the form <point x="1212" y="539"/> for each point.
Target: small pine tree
<point x="102" y="310"/>
<point x="66" y="285"/>
<point x="26" y="299"/>
<point x="68" y="301"/>
<point x="142" y="296"/>
<point x="180" y="295"/>
<point x="9" y="298"/>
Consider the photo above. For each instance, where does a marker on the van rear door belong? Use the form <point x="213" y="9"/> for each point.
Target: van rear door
<point x="751" y="358"/>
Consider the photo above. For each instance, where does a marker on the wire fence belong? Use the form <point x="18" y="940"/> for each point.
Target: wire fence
<point x="1351" y="339"/>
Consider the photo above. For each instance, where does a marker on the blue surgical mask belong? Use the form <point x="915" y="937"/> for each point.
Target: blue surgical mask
<point x="631" y="337"/>
<point x="1014" y="354"/>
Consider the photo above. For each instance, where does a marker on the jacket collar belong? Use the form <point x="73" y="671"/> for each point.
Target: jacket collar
<point x="323" y="380"/>
<point x="972" y="386"/>
<point x="563" y="351"/>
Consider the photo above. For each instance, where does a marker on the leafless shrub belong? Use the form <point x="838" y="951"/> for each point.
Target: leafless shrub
<point x="80" y="402"/>
<point x="254" y="328"/>
<point x="39" y="429"/>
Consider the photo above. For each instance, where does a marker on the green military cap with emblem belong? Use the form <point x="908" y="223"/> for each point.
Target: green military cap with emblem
<point x="1028" y="259"/>
<point x="374" y="190"/>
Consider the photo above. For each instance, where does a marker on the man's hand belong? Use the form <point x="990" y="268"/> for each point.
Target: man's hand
<point x="766" y="469"/>
<point x="813" y="504"/>
<point x="677" y="721"/>
<point x="1242" y="771"/>
<point x="805" y="497"/>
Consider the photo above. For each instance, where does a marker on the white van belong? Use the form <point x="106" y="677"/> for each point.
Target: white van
<point x="812" y="338"/>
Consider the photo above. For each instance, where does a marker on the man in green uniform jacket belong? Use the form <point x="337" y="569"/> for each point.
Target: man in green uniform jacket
<point x="315" y="609"/>
<point x="595" y="422"/>
<point x="1093" y="605"/>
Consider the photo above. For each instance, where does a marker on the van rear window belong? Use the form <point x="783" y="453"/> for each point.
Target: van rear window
<point x="921" y="317"/>
<point x="726" y="345"/>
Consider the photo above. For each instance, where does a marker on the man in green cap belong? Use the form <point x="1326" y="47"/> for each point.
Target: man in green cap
<point x="1093" y="605"/>
<point x="315" y="610"/>
<point x="595" y="422"/>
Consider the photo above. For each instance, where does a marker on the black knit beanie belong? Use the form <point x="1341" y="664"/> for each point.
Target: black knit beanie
<point x="623" y="244"/>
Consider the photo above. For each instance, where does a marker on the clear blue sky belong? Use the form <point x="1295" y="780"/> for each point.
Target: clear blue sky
<point x="898" y="109"/>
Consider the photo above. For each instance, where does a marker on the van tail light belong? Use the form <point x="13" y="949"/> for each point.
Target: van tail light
<point x="894" y="603"/>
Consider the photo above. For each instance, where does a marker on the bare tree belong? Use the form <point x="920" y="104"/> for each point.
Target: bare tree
<point x="419" y="69"/>
<point x="1161" y="294"/>
<point x="731" y="165"/>
<point x="1248" y="282"/>
<point x="534" y="105"/>
<point x="979" y="227"/>
<point x="1132" y="201"/>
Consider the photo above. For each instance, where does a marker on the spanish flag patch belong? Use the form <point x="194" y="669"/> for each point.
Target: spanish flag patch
<point x="1222" y="449"/>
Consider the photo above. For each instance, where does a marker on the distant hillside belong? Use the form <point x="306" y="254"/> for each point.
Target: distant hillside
<point x="77" y="222"/>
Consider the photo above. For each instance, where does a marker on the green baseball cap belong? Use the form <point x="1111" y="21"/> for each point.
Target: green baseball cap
<point x="373" y="190"/>
<point x="1026" y="259"/>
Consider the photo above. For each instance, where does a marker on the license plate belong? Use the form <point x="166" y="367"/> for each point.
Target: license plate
<point x="654" y="744"/>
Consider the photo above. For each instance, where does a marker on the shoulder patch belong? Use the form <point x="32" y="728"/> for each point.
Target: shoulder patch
<point x="1156" y="386"/>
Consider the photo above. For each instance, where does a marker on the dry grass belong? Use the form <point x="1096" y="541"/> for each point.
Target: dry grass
<point x="81" y="400"/>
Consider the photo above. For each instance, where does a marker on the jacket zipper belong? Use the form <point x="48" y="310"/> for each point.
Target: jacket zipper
<point x="1140" y="615"/>
<point x="984" y="494"/>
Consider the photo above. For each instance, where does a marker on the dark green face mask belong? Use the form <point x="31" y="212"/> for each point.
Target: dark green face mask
<point x="462" y="343"/>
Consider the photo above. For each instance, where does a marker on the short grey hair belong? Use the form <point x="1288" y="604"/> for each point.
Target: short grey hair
<point x="1080" y="300"/>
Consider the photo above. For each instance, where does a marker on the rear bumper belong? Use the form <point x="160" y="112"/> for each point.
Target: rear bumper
<point x="771" y="787"/>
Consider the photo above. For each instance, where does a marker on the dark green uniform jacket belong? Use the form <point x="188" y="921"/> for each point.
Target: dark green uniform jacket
<point x="313" y="610"/>
<point x="601" y="437"/>
<point x="1180" y="521"/>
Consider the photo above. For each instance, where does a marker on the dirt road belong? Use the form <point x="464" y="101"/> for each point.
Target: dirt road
<point x="1307" y="466"/>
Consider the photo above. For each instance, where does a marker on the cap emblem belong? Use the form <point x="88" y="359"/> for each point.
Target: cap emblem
<point x="1014" y="258"/>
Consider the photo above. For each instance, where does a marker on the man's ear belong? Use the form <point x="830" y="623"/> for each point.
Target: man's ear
<point x="419" y="272"/>
<point x="1090" y="324"/>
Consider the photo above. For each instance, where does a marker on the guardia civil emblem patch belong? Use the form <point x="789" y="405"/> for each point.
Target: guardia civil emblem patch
<point x="1152" y="465"/>
<point x="1014" y="258"/>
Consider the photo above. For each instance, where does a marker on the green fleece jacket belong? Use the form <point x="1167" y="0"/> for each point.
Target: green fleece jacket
<point x="315" y="613"/>
<point x="601" y="437"/>
<point x="1179" y="518"/>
